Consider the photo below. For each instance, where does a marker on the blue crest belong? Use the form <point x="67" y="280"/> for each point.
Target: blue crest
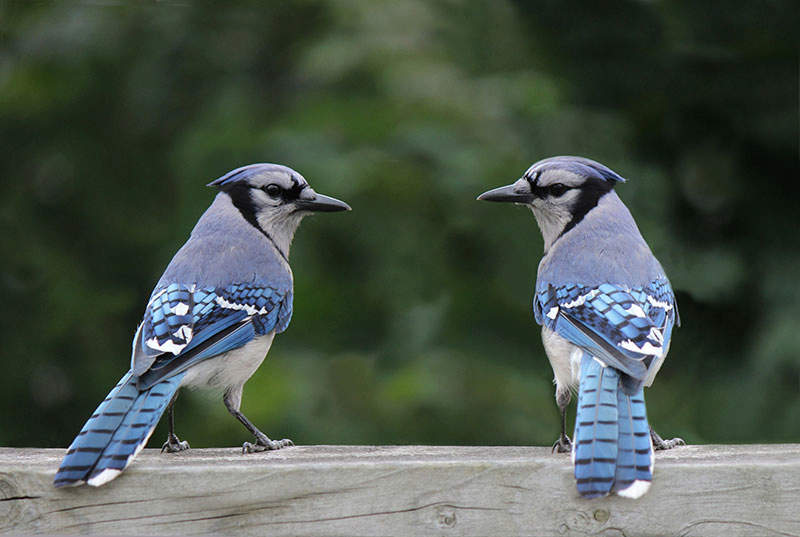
<point x="244" y="173"/>
<point x="578" y="165"/>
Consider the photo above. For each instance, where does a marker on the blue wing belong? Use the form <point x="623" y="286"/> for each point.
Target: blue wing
<point x="626" y="328"/>
<point x="185" y="324"/>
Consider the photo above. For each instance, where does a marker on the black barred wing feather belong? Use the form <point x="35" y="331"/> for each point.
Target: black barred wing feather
<point x="626" y="328"/>
<point x="184" y="324"/>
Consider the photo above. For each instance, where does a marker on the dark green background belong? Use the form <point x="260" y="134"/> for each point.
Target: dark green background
<point x="412" y="318"/>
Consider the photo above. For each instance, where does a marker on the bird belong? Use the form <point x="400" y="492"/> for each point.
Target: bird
<point x="209" y="322"/>
<point x="607" y="312"/>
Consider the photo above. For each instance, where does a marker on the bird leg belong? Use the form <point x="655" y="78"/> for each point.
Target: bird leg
<point x="232" y="400"/>
<point x="660" y="444"/>
<point x="173" y="443"/>
<point x="563" y="444"/>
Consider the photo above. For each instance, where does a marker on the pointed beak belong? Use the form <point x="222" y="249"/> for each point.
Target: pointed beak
<point x="319" y="203"/>
<point x="518" y="192"/>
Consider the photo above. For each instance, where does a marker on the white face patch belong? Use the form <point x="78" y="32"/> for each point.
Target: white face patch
<point x="551" y="220"/>
<point x="553" y="175"/>
<point x="262" y="199"/>
<point x="565" y="200"/>
<point x="280" y="223"/>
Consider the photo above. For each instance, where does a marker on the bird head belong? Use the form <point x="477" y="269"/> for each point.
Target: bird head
<point x="274" y="199"/>
<point x="559" y="190"/>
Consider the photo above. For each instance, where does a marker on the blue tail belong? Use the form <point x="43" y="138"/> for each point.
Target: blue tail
<point x="612" y="450"/>
<point x="116" y="432"/>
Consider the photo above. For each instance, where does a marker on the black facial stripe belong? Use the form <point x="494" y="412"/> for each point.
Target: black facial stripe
<point x="287" y="194"/>
<point x="293" y="193"/>
<point x="241" y="196"/>
<point x="242" y="199"/>
<point x="545" y="191"/>
<point x="590" y="193"/>
<point x="556" y="189"/>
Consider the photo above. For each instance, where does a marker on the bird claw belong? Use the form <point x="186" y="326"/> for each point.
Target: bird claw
<point x="659" y="444"/>
<point x="265" y="444"/>
<point x="174" y="445"/>
<point x="562" y="445"/>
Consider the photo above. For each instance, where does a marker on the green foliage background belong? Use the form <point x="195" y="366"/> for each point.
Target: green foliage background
<point x="412" y="318"/>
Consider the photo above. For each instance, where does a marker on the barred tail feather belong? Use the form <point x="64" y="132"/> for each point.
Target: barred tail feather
<point x="635" y="459"/>
<point x="596" y="429"/>
<point x="116" y="432"/>
<point x="95" y="435"/>
<point x="134" y="431"/>
<point x="612" y="452"/>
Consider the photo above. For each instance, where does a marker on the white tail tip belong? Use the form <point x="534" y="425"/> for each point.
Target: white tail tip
<point x="637" y="489"/>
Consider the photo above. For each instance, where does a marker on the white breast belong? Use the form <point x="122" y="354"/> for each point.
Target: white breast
<point x="232" y="368"/>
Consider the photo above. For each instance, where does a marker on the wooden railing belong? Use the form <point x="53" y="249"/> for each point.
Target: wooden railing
<point x="403" y="491"/>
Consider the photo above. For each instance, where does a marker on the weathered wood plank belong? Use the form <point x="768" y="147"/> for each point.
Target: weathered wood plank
<point x="407" y="490"/>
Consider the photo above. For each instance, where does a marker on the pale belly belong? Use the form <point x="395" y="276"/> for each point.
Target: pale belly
<point x="565" y="358"/>
<point x="232" y="368"/>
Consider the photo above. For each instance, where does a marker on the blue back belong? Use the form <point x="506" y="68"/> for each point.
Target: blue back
<point x="605" y="247"/>
<point x="600" y="287"/>
<point x="242" y="289"/>
<point x="232" y="252"/>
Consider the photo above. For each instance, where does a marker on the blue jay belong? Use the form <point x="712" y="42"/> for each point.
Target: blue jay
<point x="209" y="322"/>
<point x="607" y="311"/>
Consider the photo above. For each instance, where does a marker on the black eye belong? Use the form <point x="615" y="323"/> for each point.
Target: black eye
<point x="557" y="189"/>
<point x="273" y="190"/>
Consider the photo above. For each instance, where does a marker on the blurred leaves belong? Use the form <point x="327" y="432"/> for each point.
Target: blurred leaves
<point x="412" y="315"/>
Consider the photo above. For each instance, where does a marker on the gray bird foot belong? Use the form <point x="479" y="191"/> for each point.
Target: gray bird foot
<point x="265" y="444"/>
<point x="174" y="445"/>
<point x="563" y="445"/>
<point x="659" y="444"/>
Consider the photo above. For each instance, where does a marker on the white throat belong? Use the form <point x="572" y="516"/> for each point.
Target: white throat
<point x="281" y="228"/>
<point x="552" y="222"/>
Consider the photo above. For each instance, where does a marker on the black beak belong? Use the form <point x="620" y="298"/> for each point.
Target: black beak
<point x="518" y="192"/>
<point x="319" y="203"/>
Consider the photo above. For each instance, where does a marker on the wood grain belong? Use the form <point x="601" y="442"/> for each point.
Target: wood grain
<point x="403" y="490"/>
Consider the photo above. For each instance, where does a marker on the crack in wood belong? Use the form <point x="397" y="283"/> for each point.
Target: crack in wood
<point x="126" y="519"/>
<point x="216" y="517"/>
<point x="103" y="505"/>
<point x="517" y="487"/>
<point x="384" y="513"/>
